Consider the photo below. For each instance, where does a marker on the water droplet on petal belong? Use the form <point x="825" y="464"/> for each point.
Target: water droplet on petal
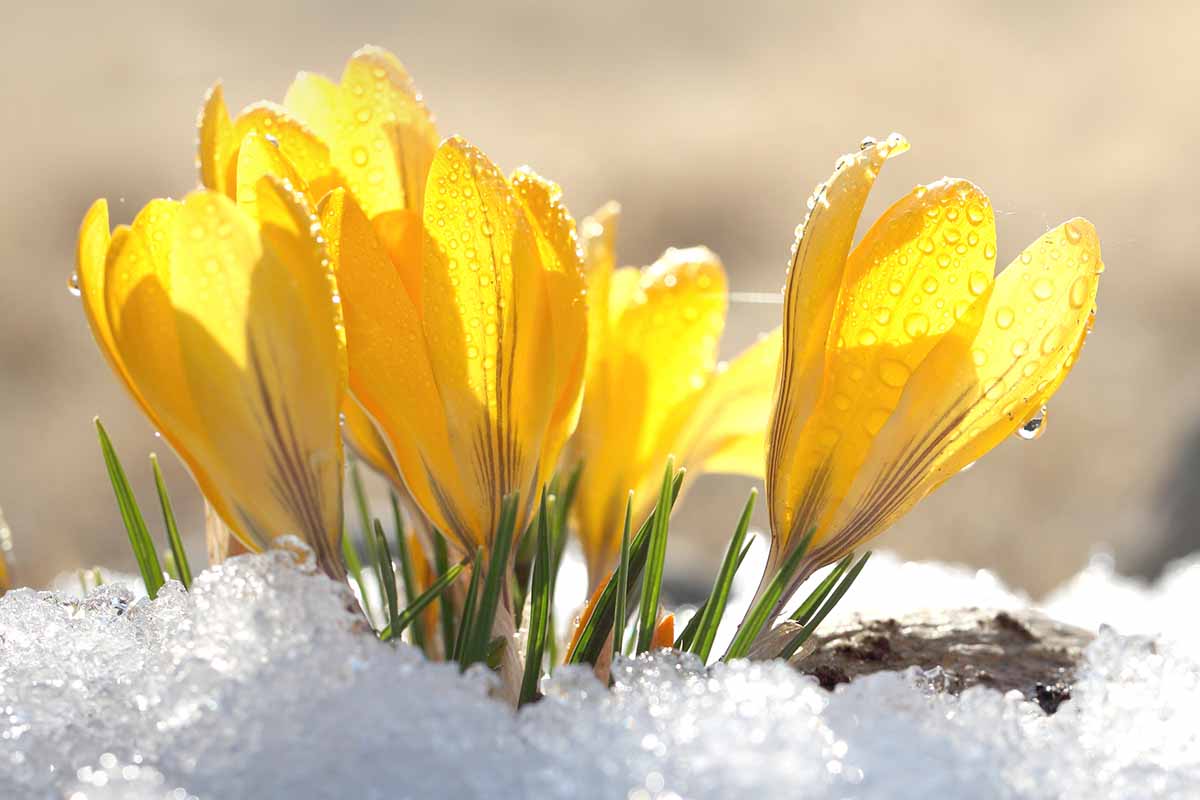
<point x="73" y="284"/>
<point x="1005" y="318"/>
<point x="893" y="373"/>
<point x="1033" y="427"/>
<point x="916" y="325"/>
<point x="1043" y="289"/>
<point x="977" y="283"/>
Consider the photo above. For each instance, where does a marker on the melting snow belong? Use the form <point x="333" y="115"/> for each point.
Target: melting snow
<point x="260" y="683"/>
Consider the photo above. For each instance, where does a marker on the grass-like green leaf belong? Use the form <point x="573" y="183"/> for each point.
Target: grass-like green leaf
<point x="797" y="641"/>
<point x="539" y="611"/>
<point x="594" y="632"/>
<point x="364" y="512"/>
<point x="620" y="615"/>
<point x="387" y="577"/>
<point x="564" y="500"/>
<point x="441" y="564"/>
<point x="480" y="637"/>
<point x="354" y="567"/>
<point x="183" y="570"/>
<point x="468" y="609"/>
<point x="759" y="614"/>
<point x="407" y="573"/>
<point x="415" y="608"/>
<point x="805" y="610"/>
<point x="714" y="606"/>
<point x="131" y="515"/>
<point x="687" y="636"/>
<point x="655" y="561"/>
<point x="168" y="565"/>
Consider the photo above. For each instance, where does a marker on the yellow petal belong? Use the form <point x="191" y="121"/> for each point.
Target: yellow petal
<point x="382" y="137"/>
<point x="91" y="255"/>
<point x="726" y="432"/>
<point x="304" y="152"/>
<point x="264" y="363"/>
<point x="600" y="260"/>
<point x="658" y="358"/>
<point x="810" y="299"/>
<point x="565" y="286"/>
<point x="122" y="283"/>
<point x="256" y="158"/>
<point x="487" y="322"/>
<point x="919" y="268"/>
<point x="390" y="373"/>
<point x="364" y="438"/>
<point x="217" y="144"/>
<point x="997" y="367"/>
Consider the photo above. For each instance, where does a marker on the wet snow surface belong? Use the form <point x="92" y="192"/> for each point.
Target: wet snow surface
<point x="260" y="684"/>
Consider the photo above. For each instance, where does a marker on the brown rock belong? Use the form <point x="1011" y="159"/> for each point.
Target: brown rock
<point x="1003" y="650"/>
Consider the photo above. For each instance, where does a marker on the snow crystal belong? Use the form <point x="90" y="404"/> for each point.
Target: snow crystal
<point x="261" y="682"/>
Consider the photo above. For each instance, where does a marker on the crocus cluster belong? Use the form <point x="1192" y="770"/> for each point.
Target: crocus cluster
<point x="344" y="272"/>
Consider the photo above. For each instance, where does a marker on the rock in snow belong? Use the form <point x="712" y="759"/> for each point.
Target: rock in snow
<point x="260" y="683"/>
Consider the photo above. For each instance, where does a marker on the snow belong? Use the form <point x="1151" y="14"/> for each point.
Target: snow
<point x="261" y="682"/>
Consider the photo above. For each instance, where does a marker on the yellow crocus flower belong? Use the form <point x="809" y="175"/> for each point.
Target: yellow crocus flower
<point x="903" y="360"/>
<point x="469" y="352"/>
<point x="371" y="134"/>
<point x="654" y="386"/>
<point x="225" y="328"/>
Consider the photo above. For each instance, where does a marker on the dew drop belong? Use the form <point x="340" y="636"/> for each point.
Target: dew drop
<point x="1005" y="318"/>
<point x="893" y="373"/>
<point x="883" y="315"/>
<point x="979" y="356"/>
<point x="1033" y="427"/>
<point x="841" y="402"/>
<point x="1072" y="232"/>
<point x="360" y="156"/>
<point x="930" y="285"/>
<point x="73" y="284"/>
<point x="1043" y="289"/>
<point x="895" y="288"/>
<point x="974" y="214"/>
<point x="977" y="283"/>
<point x="1052" y="341"/>
<point x="1019" y="348"/>
<point x="916" y="325"/>
<point x="925" y="245"/>
<point x="867" y="338"/>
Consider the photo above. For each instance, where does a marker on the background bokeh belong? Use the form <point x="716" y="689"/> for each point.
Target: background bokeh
<point x="711" y="123"/>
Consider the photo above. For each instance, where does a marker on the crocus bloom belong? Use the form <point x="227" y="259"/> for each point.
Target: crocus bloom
<point x="467" y="351"/>
<point x="371" y="133"/>
<point x="224" y="327"/>
<point x="654" y="387"/>
<point x="903" y="359"/>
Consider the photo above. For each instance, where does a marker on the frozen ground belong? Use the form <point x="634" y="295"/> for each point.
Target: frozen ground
<point x="257" y="684"/>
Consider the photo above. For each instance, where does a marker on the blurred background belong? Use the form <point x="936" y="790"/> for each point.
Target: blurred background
<point x="710" y="123"/>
